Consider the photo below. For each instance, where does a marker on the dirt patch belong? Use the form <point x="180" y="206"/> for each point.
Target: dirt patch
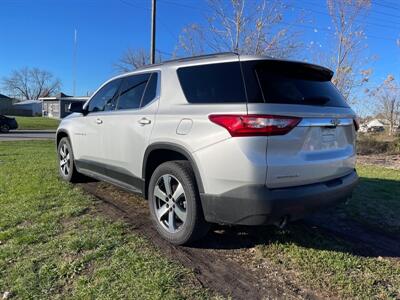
<point x="225" y="261"/>
<point x="387" y="161"/>
<point x="220" y="261"/>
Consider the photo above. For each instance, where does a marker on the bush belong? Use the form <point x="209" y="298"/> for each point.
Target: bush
<point x="367" y="145"/>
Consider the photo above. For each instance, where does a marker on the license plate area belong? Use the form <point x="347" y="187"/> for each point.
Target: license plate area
<point x="328" y="135"/>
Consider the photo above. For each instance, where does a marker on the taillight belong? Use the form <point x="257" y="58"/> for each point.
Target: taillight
<point x="255" y="125"/>
<point x="356" y="123"/>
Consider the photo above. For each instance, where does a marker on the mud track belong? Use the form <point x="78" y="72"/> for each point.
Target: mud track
<point x="223" y="261"/>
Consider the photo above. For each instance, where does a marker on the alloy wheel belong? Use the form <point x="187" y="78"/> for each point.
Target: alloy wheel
<point x="65" y="160"/>
<point x="170" y="203"/>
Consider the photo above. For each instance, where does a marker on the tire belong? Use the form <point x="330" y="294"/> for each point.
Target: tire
<point x="188" y="224"/>
<point x="66" y="163"/>
<point x="4" y="128"/>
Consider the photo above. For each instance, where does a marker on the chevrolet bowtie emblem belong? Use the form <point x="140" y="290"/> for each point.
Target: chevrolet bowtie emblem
<point x="335" y="122"/>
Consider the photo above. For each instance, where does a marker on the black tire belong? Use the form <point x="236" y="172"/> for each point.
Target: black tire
<point x="4" y="128"/>
<point x="194" y="227"/>
<point x="72" y="175"/>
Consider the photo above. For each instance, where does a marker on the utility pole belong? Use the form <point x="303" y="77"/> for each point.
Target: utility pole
<point x="153" y="32"/>
<point x="74" y="63"/>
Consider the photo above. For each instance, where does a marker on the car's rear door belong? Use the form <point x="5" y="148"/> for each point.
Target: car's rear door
<point x="322" y="145"/>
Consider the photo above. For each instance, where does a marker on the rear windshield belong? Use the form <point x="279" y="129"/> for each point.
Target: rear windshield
<point x="266" y="82"/>
<point x="215" y="83"/>
<point x="290" y="83"/>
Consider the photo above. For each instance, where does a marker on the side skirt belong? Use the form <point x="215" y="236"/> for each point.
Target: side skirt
<point x="116" y="176"/>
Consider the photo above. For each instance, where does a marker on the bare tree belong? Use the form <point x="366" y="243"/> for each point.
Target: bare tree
<point x="132" y="59"/>
<point x="349" y="43"/>
<point x="192" y="40"/>
<point x="388" y="98"/>
<point x="246" y="27"/>
<point x="30" y="84"/>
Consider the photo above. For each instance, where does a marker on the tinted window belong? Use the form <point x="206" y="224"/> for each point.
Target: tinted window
<point x="216" y="83"/>
<point x="151" y="90"/>
<point x="104" y="100"/>
<point x="290" y="83"/>
<point x="132" y="91"/>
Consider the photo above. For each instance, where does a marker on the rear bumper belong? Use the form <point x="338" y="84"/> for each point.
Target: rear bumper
<point x="257" y="204"/>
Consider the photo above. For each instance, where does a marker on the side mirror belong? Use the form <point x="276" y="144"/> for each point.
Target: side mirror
<point x="76" y="107"/>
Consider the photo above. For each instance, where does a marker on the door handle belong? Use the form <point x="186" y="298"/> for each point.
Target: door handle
<point x="144" y="121"/>
<point x="99" y="121"/>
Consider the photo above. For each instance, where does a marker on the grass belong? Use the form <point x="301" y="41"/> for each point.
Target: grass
<point x="37" y="123"/>
<point x="376" y="201"/>
<point x="332" y="265"/>
<point x="53" y="246"/>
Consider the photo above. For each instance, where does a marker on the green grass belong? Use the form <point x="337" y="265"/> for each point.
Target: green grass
<point x="52" y="244"/>
<point x="37" y="123"/>
<point x="376" y="200"/>
<point x="332" y="265"/>
<point x="329" y="265"/>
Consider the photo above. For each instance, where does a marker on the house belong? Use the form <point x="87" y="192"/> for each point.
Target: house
<point x="28" y="108"/>
<point x="375" y="125"/>
<point x="5" y="104"/>
<point x="57" y="106"/>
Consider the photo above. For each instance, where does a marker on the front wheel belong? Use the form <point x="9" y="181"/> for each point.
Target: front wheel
<point x="66" y="161"/>
<point x="175" y="203"/>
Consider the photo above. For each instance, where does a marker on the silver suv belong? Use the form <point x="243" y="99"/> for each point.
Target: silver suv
<point x="221" y="138"/>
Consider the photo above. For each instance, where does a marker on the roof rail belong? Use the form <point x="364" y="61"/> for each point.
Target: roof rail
<point x="204" y="56"/>
<point x="182" y="59"/>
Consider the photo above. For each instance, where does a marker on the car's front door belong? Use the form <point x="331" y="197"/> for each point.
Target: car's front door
<point x="90" y="145"/>
<point x="127" y="129"/>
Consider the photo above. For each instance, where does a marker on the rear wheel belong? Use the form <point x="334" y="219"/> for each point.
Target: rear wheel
<point x="66" y="162"/>
<point x="175" y="203"/>
<point x="4" y="128"/>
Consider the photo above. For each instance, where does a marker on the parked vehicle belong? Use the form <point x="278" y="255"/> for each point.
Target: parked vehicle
<point x="217" y="139"/>
<point x="7" y="124"/>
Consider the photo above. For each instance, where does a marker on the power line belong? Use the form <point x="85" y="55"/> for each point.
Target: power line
<point x="314" y="4"/>
<point x="187" y="6"/>
<point x="300" y="25"/>
<point x="387" y="6"/>
<point x="164" y="25"/>
<point x="360" y="22"/>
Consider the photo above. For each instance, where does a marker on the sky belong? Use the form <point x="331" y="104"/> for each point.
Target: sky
<point x="40" y="33"/>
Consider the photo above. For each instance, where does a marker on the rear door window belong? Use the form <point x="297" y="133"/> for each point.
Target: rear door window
<point x="131" y="91"/>
<point x="290" y="83"/>
<point x="151" y="90"/>
<point x="213" y="83"/>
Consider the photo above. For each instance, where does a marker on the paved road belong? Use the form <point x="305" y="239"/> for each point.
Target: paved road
<point x="26" y="135"/>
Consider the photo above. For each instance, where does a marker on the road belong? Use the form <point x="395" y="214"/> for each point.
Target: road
<point x="26" y="135"/>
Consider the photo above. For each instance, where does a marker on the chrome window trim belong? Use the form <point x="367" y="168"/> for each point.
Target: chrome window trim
<point x="325" y="122"/>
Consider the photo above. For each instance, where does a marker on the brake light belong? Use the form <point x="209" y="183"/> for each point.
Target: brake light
<point x="255" y="125"/>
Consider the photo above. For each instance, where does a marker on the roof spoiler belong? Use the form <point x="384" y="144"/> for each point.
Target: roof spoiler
<point x="299" y="68"/>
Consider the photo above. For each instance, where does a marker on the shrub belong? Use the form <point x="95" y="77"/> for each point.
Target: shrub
<point x="367" y="145"/>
